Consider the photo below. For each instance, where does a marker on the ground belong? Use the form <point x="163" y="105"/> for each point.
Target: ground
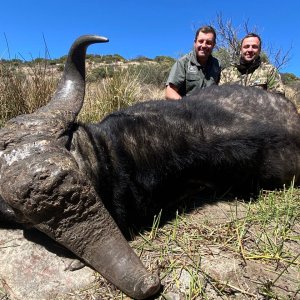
<point x="220" y="250"/>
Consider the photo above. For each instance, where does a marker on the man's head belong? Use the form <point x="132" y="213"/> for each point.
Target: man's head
<point x="204" y="43"/>
<point x="250" y="47"/>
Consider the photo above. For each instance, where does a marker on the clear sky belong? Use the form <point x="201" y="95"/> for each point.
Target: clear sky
<point x="140" y="28"/>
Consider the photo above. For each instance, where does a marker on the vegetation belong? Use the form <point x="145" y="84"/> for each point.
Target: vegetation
<point x="192" y="250"/>
<point x="113" y="92"/>
<point x="107" y="59"/>
<point x="23" y="90"/>
<point x="288" y="78"/>
<point x="24" y="87"/>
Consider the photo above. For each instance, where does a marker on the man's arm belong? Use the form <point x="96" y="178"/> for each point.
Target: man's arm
<point x="275" y="83"/>
<point x="175" y="81"/>
<point x="172" y="92"/>
<point x="229" y="75"/>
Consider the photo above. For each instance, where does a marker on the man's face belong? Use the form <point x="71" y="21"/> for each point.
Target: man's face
<point x="250" y="49"/>
<point x="204" y="46"/>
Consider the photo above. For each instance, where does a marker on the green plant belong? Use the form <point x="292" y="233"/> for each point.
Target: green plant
<point x="288" y="78"/>
<point x="101" y="73"/>
<point x="152" y="73"/>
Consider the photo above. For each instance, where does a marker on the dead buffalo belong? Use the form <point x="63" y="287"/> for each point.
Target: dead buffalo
<point x="75" y="182"/>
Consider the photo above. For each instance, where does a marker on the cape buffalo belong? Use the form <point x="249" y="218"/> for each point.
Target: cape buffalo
<point x="86" y="184"/>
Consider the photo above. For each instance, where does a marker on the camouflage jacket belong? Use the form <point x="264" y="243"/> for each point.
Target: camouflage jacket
<point x="265" y="76"/>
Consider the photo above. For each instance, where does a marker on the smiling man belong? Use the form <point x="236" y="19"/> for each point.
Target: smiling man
<point x="195" y="69"/>
<point x="251" y="71"/>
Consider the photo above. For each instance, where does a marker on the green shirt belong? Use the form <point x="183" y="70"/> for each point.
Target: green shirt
<point x="187" y="73"/>
<point x="265" y="76"/>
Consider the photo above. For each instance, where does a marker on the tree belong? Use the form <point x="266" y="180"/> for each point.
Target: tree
<point x="229" y="41"/>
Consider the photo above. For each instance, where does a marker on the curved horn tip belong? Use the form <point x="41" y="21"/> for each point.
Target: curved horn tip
<point x="104" y="39"/>
<point x="101" y="39"/>
<point x="93" y="37"/>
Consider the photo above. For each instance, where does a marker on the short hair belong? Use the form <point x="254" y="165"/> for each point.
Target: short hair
<point x="251" y="34"/>
<point x="206" y="29"/>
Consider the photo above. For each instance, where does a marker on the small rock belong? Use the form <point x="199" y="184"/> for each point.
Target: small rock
<point x="29" y="270"/>
<point x="172" y="296"/>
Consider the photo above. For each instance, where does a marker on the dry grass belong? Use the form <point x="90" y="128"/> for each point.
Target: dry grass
<point x="24" y="90"/>
<point x="124" y="88"/>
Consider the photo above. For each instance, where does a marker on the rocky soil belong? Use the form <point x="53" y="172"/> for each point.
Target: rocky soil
<point x="32" y="267"/>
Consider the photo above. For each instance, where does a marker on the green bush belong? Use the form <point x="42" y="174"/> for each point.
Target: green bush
<point x="101" y="73"/>
<point x="164" y="59"/>
<point x="152" y="73"/>
<point x="107" y="59"/>
<point x="288" y="78"/>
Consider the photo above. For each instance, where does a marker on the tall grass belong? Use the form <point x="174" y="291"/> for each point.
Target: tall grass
<point x="110" y="94"/>
<point x="23" y="90"/>
<point x="125" y="87"/>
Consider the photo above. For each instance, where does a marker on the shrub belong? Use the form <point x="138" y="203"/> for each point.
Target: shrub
<point x="152" y="73"/>
<point x="164" y="59"/>
<point x="100" y="73"/>
<point x="288" y="78"/>
<point x="141" y="59"/>
<point x="108" y="59"/>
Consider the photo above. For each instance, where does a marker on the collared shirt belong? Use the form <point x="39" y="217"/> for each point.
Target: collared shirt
<point x="187" y="73"/>
<point x="265" y="76"/>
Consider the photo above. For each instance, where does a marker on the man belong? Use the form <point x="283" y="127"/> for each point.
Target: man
<point x="195" y="69"/>
<point x="251" y="71"/>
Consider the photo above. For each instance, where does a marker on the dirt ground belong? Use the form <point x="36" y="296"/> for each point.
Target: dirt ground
<point x="195" y="261"/>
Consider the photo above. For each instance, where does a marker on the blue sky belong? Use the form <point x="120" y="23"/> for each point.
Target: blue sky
<point x="147" y="28"/>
